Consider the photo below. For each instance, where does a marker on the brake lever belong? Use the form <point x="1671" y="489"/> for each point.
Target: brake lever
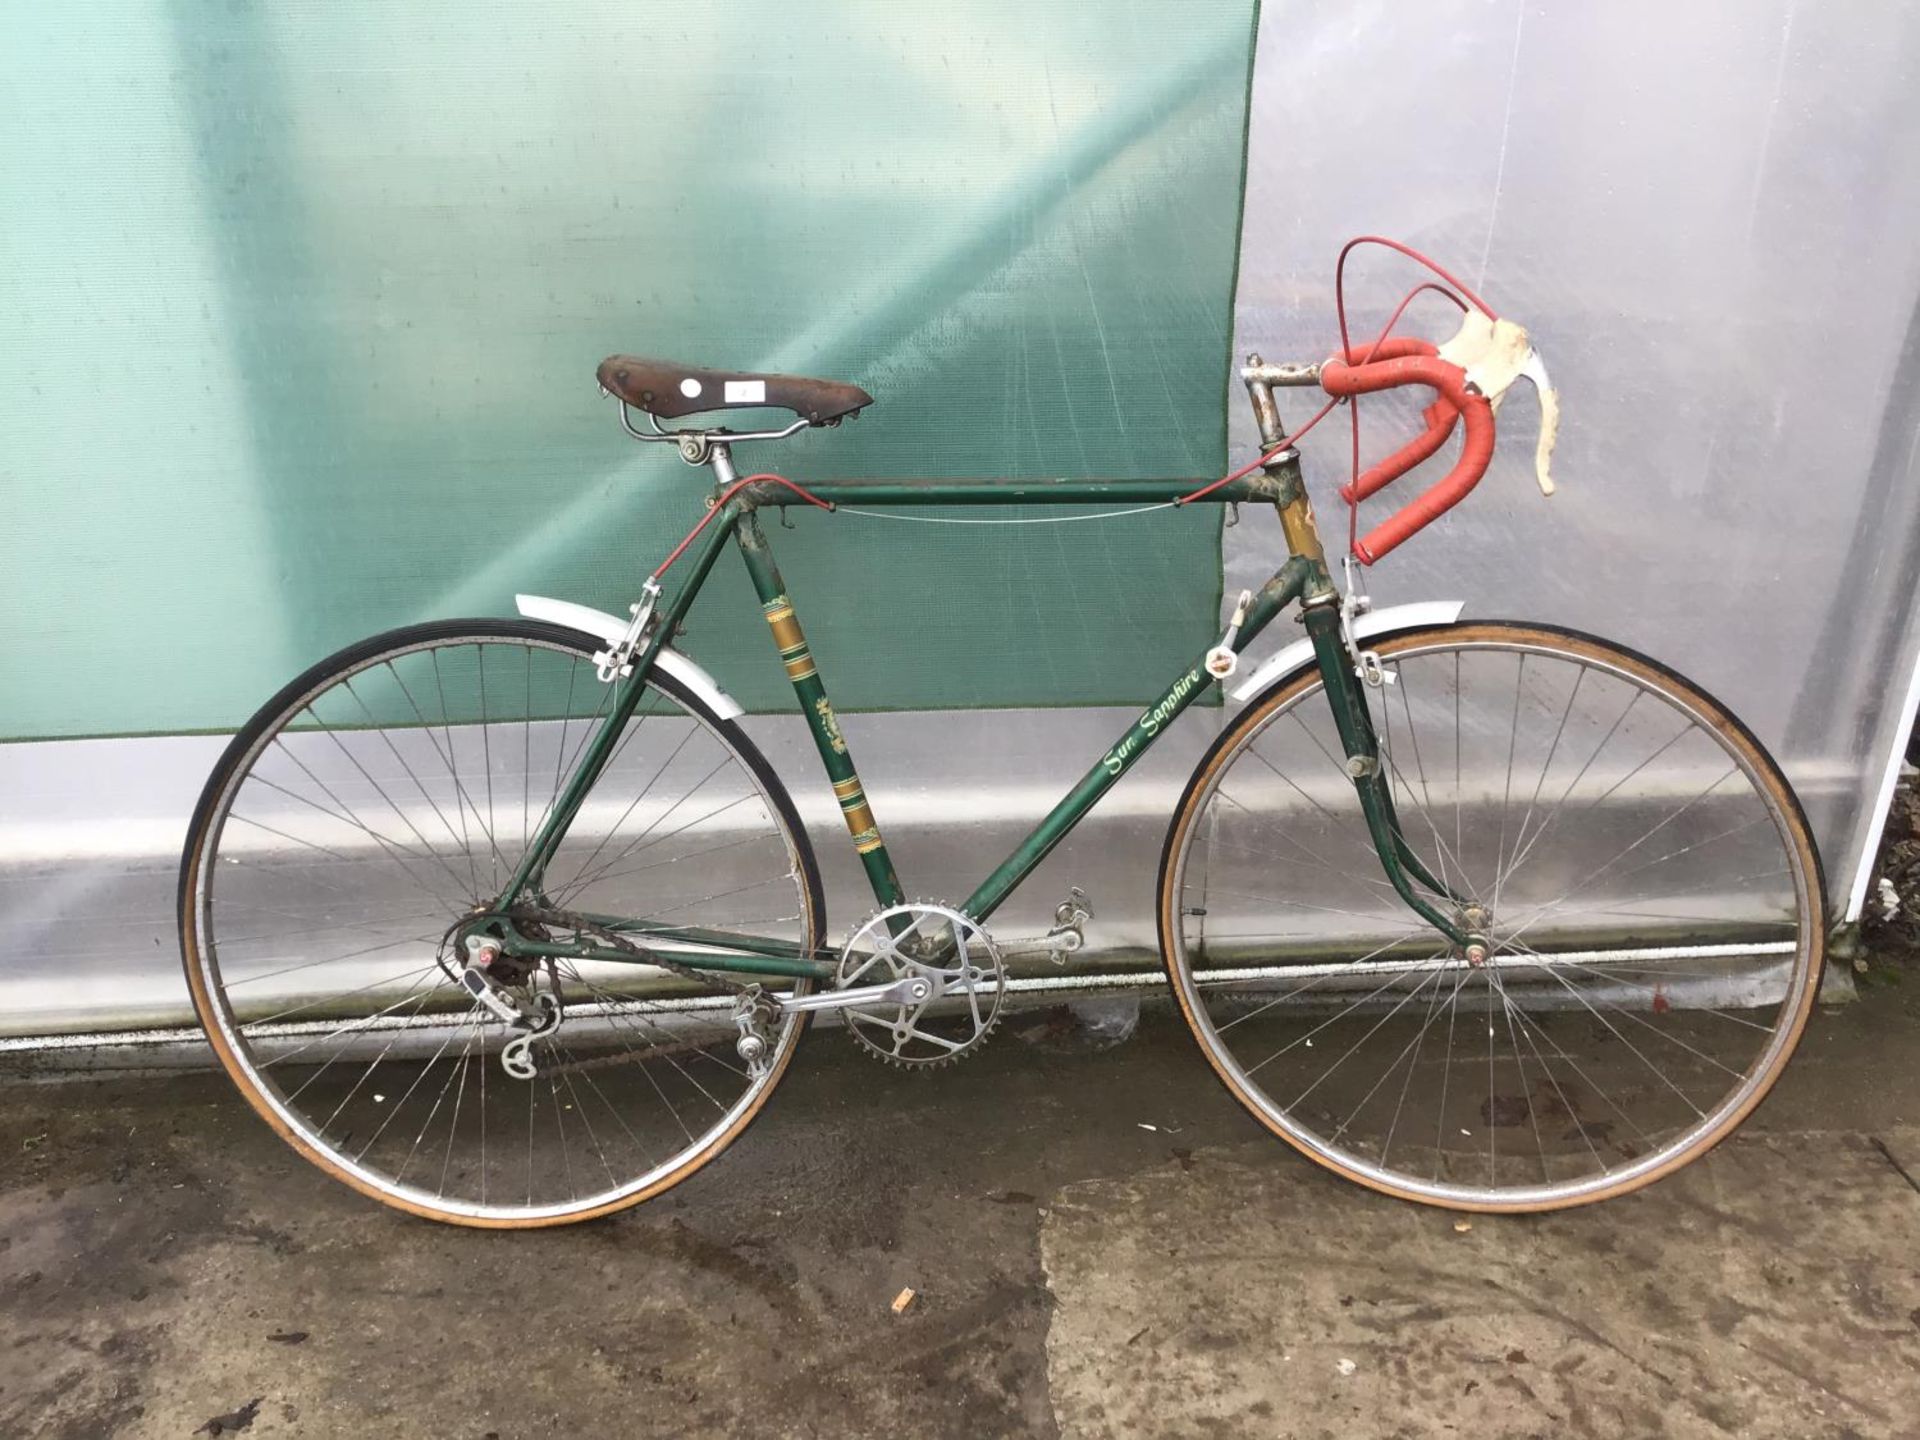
<point x="1495" y="353"/>
<point x="1535" y="370"/>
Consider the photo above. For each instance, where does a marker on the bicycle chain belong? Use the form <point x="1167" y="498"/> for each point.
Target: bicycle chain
<point x="548" y="919"/>
<point x="581" y="925"/>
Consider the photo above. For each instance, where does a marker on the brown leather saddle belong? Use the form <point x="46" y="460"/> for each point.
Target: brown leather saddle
<point x="667" y="390"/>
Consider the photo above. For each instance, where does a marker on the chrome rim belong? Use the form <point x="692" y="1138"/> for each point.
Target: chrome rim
<point x="397" y="793"/>
<point x="1651" y="920"/>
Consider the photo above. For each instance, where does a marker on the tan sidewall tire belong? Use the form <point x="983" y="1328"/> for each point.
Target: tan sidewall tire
<point x="203" y="1007"/>
<point x="1566" y="642"/>
<point x="208" y="1013"/>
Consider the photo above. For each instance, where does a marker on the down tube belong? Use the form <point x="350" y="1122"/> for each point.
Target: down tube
<point x="1279" y="592"/>
<point x="1152" y="723"/>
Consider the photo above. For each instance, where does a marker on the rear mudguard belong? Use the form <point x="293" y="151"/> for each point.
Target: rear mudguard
<point x="610" y="629"/>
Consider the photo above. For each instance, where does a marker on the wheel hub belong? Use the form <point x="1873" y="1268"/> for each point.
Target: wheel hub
<point x="1477" y="921"/>
<point x="477" y="941"/>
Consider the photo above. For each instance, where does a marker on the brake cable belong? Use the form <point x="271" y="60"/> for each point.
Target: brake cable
<point x="1453" y="290"/>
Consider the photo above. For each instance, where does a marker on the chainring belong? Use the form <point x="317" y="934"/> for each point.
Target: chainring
<point x="936" y="943"/>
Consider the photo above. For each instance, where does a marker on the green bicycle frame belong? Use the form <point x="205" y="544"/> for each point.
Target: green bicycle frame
<point x="1302" y="578"/>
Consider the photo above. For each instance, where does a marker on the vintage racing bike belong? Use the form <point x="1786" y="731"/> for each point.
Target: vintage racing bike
<point x="507" y="922"/>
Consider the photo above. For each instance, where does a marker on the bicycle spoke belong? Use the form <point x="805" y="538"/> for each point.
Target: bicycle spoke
<point x="605" y="875"/>
<point x="392" y="805"/>
<point x="1302" y="905"/>
<point x="1387" y="1074"/>
<point x="1314" y="857"/>
<point x="1647" y="926"/>
<point x="1451" y="867"/>
<point x="280" y="1016"/>
<point x="1506" y="794"/>
<point x="413" y="993"/>
<point x="1413" y="1064"/>
<point x="645" y="790"/>
<point x="426" y="939"/>
<point x="425" y="794"/>
<point x="446" y="758"/>
<point x="362" y="849"/>
<point x="581" y="881"/>
<point x="464" y="799"/>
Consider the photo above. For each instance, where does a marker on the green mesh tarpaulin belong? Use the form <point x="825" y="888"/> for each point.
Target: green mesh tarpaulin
<point x="301" y="307"/>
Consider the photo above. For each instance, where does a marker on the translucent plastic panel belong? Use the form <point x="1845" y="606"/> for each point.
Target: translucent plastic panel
<point x="1705" y="214"/>
<point x="301" y="308"/>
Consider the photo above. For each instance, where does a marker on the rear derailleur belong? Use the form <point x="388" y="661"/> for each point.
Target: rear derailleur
<point x="493" y="979"/>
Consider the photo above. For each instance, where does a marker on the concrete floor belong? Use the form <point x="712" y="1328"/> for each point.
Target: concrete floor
<point x="165" y="1263"/>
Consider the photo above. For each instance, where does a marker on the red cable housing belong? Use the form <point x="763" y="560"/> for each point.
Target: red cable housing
<point x="728" y="494"/>
<point x="1387" y="363"/>
<point x="1441" y="416"/>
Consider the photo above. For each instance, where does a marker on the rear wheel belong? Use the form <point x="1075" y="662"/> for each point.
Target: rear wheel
<point x="390" y="792"/>
<point x="1642" y="875"/>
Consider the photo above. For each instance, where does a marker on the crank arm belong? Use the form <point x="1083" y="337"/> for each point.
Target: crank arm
<point x="908" y="990"/>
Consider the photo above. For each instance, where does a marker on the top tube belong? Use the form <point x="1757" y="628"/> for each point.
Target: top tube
<point x="1257" y="488"/>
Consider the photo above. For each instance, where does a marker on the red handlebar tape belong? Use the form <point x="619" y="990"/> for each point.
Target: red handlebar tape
<point x="1401" y="361"/>
<point x="1440" y="416"/>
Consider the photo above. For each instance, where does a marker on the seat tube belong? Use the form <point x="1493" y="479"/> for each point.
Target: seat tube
<point x="791" y="641"/>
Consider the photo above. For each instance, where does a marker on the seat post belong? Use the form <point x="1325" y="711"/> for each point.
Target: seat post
<point x="720" y="457"/>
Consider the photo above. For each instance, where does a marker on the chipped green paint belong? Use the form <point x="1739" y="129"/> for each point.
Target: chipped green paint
<point x="830" y="724"/>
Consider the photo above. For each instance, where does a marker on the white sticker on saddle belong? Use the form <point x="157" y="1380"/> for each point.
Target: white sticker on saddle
<point x="690" y="388"/>
<point x="746" y="392"/>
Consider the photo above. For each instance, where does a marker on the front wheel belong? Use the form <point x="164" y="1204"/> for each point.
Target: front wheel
<point x="389" y="793"/>
<point x="1641" y="873"/>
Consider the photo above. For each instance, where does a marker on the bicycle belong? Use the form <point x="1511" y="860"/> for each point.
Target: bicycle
<point x="506" y="922"/>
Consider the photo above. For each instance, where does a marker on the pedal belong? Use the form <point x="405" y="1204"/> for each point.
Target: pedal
<point x="752" y="1013"/>
<point x="1068" y="935"/>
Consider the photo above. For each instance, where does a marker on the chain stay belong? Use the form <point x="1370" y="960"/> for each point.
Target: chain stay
<point x="517" y="1058"/>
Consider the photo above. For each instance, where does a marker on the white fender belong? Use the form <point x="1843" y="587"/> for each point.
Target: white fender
<point x="1379" y="622"/>
<point x="610" y="628"/>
